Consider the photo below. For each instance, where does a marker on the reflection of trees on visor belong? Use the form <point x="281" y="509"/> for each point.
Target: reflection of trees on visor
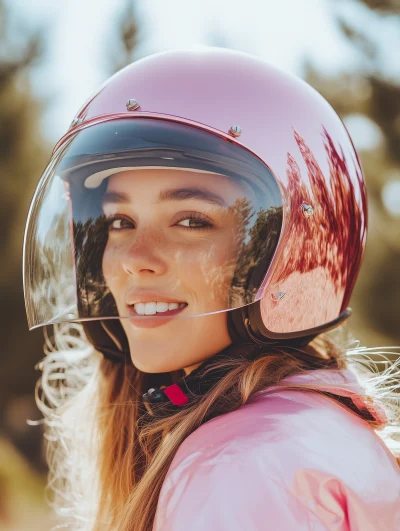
<point x="260" y="235"/>
<point x="94" y="297"/>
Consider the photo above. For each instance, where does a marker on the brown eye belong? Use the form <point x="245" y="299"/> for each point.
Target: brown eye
<point x="194" y="222"/>
<point x="119" y="223"/>
<point x="191" y="223"/>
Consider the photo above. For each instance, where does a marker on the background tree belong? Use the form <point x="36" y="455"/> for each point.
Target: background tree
<point x="128" y="39"/>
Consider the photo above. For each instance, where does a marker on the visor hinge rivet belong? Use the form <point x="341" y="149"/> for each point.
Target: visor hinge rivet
<point x="278" y="296"/>
<point x="307" y="210"/>
<point x="235" y="130"/>
<point x="132" y="105"/>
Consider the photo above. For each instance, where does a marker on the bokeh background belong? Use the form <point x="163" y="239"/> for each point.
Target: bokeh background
<point x="53" y="56"/>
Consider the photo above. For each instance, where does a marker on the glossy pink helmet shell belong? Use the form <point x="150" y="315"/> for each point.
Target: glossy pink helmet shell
<point x="296" y="133"/>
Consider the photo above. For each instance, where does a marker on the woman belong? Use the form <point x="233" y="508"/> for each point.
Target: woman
<point x="204" y="220"/>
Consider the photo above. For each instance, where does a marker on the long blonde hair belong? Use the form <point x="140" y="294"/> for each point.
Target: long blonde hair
<point x="108" y="459"/>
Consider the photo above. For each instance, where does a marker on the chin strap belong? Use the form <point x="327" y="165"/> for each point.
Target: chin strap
<point x="166" y="400"/>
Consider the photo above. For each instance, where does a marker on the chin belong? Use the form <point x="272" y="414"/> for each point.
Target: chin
<point x="153" y="367"/>
<point x="161" y="361"/>
<point x="154" y="358"/>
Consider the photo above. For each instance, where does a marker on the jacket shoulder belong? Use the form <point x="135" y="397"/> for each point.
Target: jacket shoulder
<point x="287" y="450"/>
<point x="317" y="429"/>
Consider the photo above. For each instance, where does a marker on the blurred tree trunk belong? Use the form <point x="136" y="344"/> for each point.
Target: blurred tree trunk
<point x="128" y="36"/>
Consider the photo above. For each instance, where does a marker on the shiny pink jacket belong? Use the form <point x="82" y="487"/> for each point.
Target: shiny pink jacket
<point x="290" y="461"/>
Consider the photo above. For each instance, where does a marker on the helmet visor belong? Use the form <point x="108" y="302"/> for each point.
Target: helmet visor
<point x="146" y="218"/>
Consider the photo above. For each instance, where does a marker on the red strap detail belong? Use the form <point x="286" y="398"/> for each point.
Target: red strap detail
<point x="176" y="395"/>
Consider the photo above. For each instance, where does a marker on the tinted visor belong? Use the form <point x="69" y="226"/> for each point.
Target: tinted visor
<point x="143" y="218"/>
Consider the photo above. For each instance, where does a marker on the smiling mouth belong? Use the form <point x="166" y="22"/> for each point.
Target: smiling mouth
<point x="157" y="308"/>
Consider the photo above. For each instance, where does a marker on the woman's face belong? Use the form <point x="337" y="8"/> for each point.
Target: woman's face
<point x="173" y="239"/>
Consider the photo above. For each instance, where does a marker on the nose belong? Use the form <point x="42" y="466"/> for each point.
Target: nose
<point x="144" y="255"/>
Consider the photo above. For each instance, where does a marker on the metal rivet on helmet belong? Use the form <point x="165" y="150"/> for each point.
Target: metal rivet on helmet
<point x="235" y="130"/>
<point x="278" y="296"/>
<point x="307" y="210"/>
<point x="132" y="105"/>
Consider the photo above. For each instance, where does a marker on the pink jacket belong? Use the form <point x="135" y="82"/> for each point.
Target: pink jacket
<point x="291" y="461"/>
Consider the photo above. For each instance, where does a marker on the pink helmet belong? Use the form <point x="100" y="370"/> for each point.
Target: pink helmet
<point x="225" y="115"/>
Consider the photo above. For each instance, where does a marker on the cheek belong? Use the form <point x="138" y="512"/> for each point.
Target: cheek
<point x="204" y="267"/>
<point x="209" y="267"/>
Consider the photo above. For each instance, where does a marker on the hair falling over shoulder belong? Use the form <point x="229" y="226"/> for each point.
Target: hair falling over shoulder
<point x="108" y="458"/>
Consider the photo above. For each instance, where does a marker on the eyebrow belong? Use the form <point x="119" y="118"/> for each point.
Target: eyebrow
<point x="171" y="194"/>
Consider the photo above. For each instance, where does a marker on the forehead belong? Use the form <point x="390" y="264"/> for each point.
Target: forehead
<point x="149" y="182"/>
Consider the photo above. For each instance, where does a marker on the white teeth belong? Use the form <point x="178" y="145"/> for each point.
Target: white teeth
<point x="151" y="308"/>
<point x="162" y="306"/>
<point x="139" y="307"/>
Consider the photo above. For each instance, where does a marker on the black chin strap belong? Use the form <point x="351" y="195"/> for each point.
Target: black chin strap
<point x="167" y="400"/>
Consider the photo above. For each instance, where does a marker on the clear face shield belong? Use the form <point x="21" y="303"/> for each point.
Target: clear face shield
<point x="148" y="219"/>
